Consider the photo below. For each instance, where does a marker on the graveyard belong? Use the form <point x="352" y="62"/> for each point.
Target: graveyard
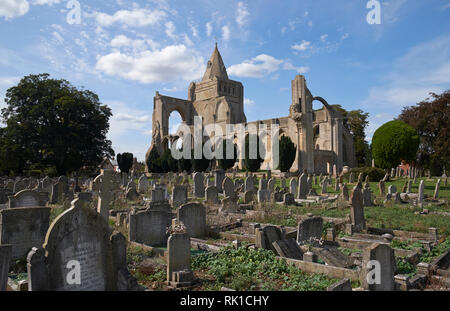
<point x="166" y="232"/>
<point x="186" y="151"/>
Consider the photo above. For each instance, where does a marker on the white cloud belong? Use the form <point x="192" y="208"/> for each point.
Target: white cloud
<point x="241" y="14"/>
<point x="209" y="29"/>
<point x="9" y="81"/>
<point x="45" y="2"/>
<point x="13" y="8"/>
<point x="249" y="102"/>
<point x="261" y="66"/>
<point x="171" y="63"/>
<point x="134" y="18"/>
<point x="256" y="67"/>
<point x="226" y="33"/>
<point x="323" y="38"/>
<point x="170" y="30"/>
<point x="303" y="46"/>
<point x="310" y="24"/>
<point x="125" y="117"/>
<point x="300" y="70"/>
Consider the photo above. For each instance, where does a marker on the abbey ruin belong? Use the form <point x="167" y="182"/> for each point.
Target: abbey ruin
<point x="319" y="135"/>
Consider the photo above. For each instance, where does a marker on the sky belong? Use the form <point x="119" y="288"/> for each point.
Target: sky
<point x="125" y="51"/>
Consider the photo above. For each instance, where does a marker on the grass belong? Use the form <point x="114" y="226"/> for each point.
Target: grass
<point x="254" y="269"/>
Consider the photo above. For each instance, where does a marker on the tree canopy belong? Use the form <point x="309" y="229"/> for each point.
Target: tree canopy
<point x="125" y="161"/>
<point x="393" y="142"/>
<point x="356" y="122"/>
<point x="52" y="124"/>
<point x="431" y="118"/>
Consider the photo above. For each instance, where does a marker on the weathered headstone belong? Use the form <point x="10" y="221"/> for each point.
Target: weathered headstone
<point x="310" y="229"/>
<point x="436" y="189"/>
<point x="288" y="248"/>
<point x="179" y="195"/>
<point x="211" y="195"/>
<point x="199" y="189"/>
<point x="179" y="271"/>
<point x="302" y="186"/>
<point x="357" y="210"/>
<point x="193" y="216"/>
<point x="378" y="268"/>
<point x="80" y="253"/>
<point x="26" y="198"/>
<point x="149" y="227"/>
<point x="143" y="184"/>
<point x="219" y="176"/>
<point x="23" y="228"/>
<point x="293" y="186"/>
<point x="227" y="187"/>
<point x="104" y="195"/>
<point x="421" y="195"/>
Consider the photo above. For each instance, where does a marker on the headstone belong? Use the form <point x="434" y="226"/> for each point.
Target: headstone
<point x="149" y="227"/>
<point x="436" y="189"/>
<point x="248" y="184"/>
<point x="344" y="192"/>
<point x="421" y="191"/>
<point x="143" y="184"/>
<point x="379" y="268"/>
<point x="309" y="229"/>
<point x="212" y="195"/>
<point x="179" y="271"/>
<point x="288" y="199"/>
<point x="19" y="186"/>
<point x="357" y="210"/>
<point x="104" y="195"/>
<point x="199" y="189"/>
<point x="293" y="186"/>
<point x="381" y="187"/>
<point x="228" y="187"/>
<point x="229" y="205"/>
<point x="179" y="195"/>
<point x="302" y="186"/>
<point x="367" y="195"/>
<point x="81" y="239"/>
<point x="219" y="176"/>
<point x="26" y="198"/>
<point x="265" y="237"/>
<point x="23" y="228"/>
<point x="5" y="261"/>
<point x="248" y="197"/>
<point x="288" y="248"/>
<point x="324" y="185"/>
<point x="392" y="189"/>
<point x="193" y="216"/>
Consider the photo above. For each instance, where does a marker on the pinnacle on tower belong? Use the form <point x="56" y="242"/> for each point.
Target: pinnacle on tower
<point x="216" y="67"/>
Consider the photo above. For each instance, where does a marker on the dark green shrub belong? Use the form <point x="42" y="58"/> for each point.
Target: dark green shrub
<point x="287" y="153"/>
<point x="154" y="162"/>
<point x="393" y="142"/>
<point x="225" y="163"/>
<point x="252" y="165"/>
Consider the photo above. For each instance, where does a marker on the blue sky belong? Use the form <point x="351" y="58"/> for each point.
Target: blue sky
<point x="125" y="51"/>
